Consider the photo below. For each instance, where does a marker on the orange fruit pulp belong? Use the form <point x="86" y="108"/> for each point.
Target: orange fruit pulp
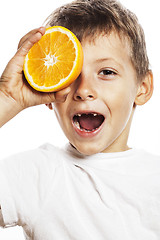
<point x="55" y="61"/>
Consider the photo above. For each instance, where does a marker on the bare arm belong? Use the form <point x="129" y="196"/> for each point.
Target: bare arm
<point x="1" y="219"/>
<point x="15" y="93"/>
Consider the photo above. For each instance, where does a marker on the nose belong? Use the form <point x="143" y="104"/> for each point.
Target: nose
<point x="84" y="89"/>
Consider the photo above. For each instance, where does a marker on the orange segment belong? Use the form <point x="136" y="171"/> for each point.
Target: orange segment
<point x="37" y="49"/>
<point x="55" y="61"/>
<point x="45" y="43"/>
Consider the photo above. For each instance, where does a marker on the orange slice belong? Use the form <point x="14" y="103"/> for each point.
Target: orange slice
<point x="55" y="61"/>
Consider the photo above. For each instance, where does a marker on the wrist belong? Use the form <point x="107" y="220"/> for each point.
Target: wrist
<point x="9" y="108"/>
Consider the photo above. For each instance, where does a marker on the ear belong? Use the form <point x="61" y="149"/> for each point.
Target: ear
<point x="49" y="105"/>
<point x="145" y="89"/>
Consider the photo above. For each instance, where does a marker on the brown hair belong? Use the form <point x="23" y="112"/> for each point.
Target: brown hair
<point x="87" y="18"/>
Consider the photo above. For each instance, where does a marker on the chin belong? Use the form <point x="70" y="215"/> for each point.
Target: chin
<point x="87" y="149"/>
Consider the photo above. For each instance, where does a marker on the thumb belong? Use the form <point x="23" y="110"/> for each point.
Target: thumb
<point x="29" y="34"/>
<point x="28" y="44"/>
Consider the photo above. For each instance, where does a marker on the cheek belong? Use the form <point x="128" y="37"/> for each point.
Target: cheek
<point x="62" y="116"/>
<point x="59" y="109"/>
<point x="120" y="103"/>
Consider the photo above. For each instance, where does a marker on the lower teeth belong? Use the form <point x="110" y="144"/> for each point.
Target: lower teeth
<point x="83" y="129"/>
<point x="77" y="125"/>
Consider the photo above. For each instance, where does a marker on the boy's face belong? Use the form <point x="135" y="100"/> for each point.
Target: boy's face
<point x="97" y="113"/>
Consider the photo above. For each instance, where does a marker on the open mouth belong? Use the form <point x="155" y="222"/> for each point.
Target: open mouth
<point x="88" y="122"/>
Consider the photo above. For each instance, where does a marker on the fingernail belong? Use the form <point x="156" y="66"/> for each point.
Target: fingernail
<point x="42" y="29"/>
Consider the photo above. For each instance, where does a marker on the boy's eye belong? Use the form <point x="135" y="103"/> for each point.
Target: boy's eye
<point x="107" y="72"/>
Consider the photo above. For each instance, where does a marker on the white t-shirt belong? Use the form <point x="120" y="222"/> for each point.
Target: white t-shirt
<point x="59" y="194"/>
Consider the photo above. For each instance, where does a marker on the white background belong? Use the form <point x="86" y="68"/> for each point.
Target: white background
<point x="38" y="125"/>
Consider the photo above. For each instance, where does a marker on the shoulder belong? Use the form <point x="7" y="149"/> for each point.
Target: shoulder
<point x="147" y="162"/>
<point x="26" y="179"/>
<point x="148" y="155"/>
<point x="45" y="157"/>
<point x="31" y="170"/>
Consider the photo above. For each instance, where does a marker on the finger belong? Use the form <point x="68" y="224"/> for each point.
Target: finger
<point x="49" y="105"/>
<point x="49" y="98"/>
<point x="15" y="65"/>
<point x="26" y="46"/>
<point x="25" y="37"/>
<point x="46" y="98"/>
<point x="61" y="95"/>
<point x="29" y="34"/>
<point x="30" y="41"/>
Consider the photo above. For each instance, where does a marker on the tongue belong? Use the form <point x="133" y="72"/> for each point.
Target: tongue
<point x="90" y="122"/>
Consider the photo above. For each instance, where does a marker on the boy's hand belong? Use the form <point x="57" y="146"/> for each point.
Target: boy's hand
<point x="13" y="85"/>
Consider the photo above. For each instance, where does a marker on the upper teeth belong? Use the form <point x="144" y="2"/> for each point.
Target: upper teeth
<point x="79" y="114"/>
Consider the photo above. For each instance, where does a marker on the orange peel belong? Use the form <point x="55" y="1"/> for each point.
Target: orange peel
<point x="55" y="61"/>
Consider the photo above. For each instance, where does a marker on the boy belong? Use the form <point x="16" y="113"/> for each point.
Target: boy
<point x="97" y="187"/>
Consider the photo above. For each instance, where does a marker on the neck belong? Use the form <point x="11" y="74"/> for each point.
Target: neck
<point x="121" y="143"/>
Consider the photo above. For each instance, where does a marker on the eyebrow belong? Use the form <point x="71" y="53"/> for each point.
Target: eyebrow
<point x="108" y="59"/>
